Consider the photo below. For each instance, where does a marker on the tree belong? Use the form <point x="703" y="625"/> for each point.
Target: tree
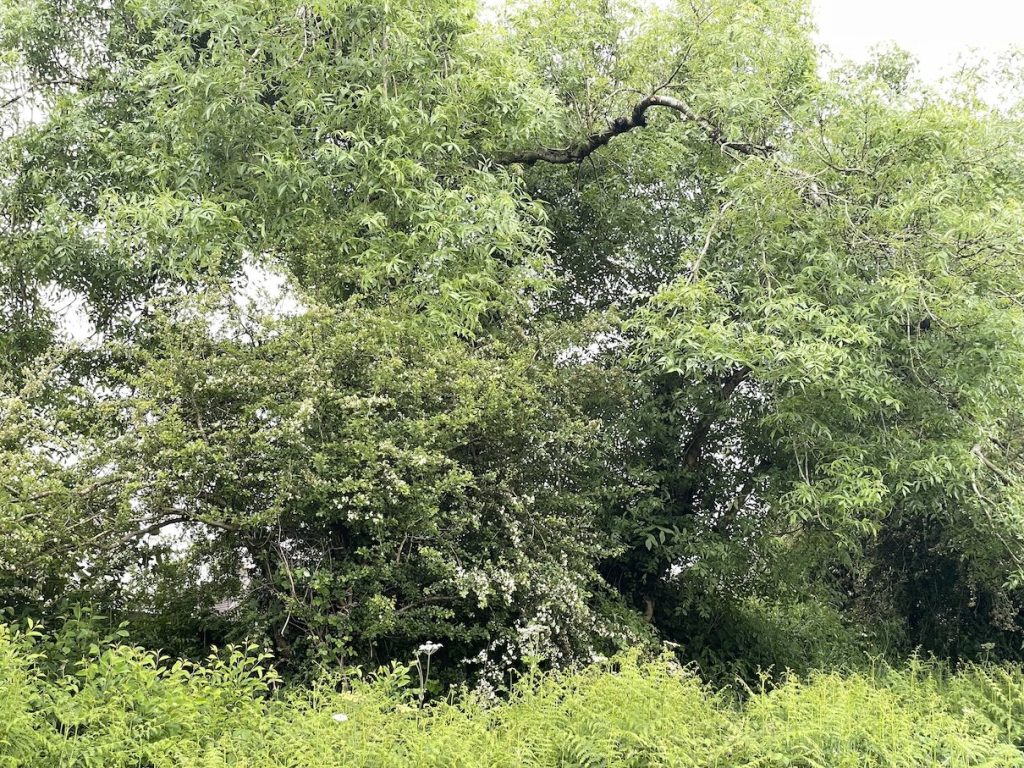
<point x="612" y="317"/>
<point x="335" y="478"/>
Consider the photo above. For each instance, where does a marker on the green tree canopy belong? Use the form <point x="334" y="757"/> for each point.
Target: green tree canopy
<point x="612" y="322"/>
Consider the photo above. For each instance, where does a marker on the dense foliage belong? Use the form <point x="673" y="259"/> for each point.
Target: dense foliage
<point x="123" y="706"/>
<point x="605" y="324"/>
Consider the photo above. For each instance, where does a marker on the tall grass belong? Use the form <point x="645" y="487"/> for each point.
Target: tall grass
<point x="123" y="706"/>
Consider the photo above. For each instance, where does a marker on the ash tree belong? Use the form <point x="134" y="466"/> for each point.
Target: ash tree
<point x="609" y="323"/>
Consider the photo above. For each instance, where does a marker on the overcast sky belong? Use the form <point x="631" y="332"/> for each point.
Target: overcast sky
<point x="935" y="31"/>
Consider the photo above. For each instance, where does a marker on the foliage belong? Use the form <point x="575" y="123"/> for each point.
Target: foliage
<point x="353" y="487"/>
<point x="124" y="707"/>
<point x="608" y="323"/>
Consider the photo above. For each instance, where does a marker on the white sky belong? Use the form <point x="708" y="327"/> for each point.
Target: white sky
<point x="935" y="31"/>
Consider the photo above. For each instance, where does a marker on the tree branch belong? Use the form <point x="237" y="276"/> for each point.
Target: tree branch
<point x="35" y="87"/>
<point x="695" y="269"/>
<point x="83" y="492"/>
<point x="636" y="119"/>
<point x="694" y="446"/>
<point x="1000" y="473"/>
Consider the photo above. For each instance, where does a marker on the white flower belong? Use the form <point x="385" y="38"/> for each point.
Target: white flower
<point x="339" y="717"/>
<point x="429" y="648"/>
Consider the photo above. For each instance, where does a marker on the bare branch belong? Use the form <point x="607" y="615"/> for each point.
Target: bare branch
<point x="636" y="119"/>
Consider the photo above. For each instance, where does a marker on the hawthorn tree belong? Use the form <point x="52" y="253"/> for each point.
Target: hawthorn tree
<point x="613" y="322"/>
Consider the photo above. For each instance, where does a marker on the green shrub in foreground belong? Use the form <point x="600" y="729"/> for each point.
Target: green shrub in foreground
<point x="125" y="706"/>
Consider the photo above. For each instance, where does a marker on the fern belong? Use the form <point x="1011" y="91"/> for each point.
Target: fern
<point x="125" y="707"/>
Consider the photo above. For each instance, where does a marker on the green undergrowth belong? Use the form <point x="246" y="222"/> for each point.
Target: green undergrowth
<point x="125" y="706"/>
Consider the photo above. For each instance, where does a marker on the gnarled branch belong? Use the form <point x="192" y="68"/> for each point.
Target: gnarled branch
<point x="636" y="119"/>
